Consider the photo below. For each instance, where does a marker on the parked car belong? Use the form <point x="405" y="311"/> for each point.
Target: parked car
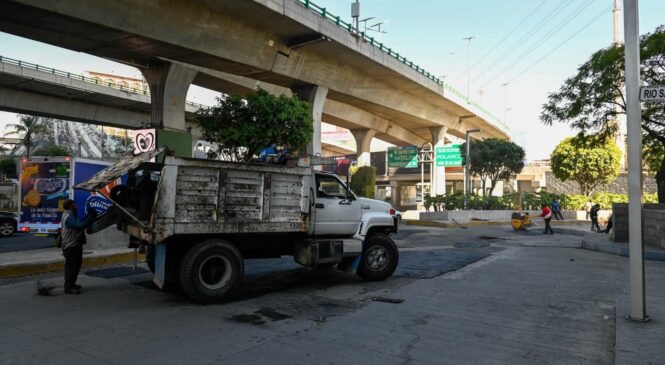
<point x="8" y="223"/>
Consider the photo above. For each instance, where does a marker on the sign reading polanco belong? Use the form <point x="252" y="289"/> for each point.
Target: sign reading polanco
<point x="449" y="156"/>
<point x="403" y="156"/>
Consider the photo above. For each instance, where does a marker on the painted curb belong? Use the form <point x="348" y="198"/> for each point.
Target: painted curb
<point x="620" y="250"/>
<point x="485" y="223"/>
<point x="33" y="268"/>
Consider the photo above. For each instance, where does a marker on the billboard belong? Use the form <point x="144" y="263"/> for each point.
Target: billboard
<point x="45" y="185"/>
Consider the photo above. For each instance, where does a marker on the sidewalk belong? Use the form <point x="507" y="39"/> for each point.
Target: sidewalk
<point x="601" y="242"/>
<point x="45" y="260"/>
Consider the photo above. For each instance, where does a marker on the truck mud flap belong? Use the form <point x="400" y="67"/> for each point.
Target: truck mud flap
<point x="160" y="265"/>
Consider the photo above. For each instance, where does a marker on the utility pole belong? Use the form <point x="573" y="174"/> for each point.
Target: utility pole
<point x="637" y="309"/>
<point x="468" y="67"/>
<point x="616" y="12"/>
<point x="467" y="171"/>
<point x="505" y="99"/>
<point x="355" y="14"/>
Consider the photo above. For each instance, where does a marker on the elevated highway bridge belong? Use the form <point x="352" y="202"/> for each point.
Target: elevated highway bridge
<point x="291" y="44"/>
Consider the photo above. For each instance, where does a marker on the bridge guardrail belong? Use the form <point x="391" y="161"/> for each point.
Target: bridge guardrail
<point x="75" y="76"/>
<point x="323" y="12"/>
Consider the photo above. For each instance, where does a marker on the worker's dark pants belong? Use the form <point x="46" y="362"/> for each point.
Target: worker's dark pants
<point x="609" y="226"/>
<point x="73" y="261"/>
<point x="548" y="228"/>
<point x="594" y="225"/>
<point x="558" y="215"/>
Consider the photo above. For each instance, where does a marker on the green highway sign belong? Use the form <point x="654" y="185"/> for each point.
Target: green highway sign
<point x="449" y="156"/>
<point x="403" y="156"/>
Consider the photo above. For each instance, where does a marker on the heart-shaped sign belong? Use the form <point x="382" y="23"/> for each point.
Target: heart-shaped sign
<point x="144" y="141"/>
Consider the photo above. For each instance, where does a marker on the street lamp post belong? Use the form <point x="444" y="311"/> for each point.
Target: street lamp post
<point x="468" y="67"/>
<point x="467" y="173"/>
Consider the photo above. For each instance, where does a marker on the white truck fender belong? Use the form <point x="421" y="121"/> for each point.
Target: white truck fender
<point x="375" y="219"/>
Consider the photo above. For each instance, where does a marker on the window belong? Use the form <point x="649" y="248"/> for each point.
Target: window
<point x="329" y="187"/>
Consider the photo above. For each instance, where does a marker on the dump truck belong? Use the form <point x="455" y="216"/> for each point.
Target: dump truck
<point x="197" y="220"/>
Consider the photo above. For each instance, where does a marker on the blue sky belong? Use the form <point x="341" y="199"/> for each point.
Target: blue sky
<point x="534" y="45"/>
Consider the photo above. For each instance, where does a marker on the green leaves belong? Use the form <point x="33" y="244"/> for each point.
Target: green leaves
<point x="494" y="159"/>
<point x="242" y="128"/>
<point x="363" y="181"/>
<point x="587" y="161"/>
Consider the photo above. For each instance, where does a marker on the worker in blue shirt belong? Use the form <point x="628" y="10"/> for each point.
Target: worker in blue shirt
<point x="73" y="239"/>
<point x="556" y="209"/>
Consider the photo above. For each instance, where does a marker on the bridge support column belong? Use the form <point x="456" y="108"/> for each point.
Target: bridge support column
<point x="438" y="173"/>
<point x="169" y="83"/>
<point x="315" y="95"/>
<point x="363" y="139"/>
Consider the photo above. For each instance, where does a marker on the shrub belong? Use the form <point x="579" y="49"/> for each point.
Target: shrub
<point x="363" y="181"/>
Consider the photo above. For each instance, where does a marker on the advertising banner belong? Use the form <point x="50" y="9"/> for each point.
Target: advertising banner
<point x="44" y="188"/>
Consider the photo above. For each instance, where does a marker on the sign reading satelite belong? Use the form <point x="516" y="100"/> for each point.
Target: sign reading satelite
<point x="403" y="156"/>
<point x="652" y="93"/>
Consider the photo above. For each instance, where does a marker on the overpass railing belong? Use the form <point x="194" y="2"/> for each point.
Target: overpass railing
<point x="323" y="12"/>
<point x="91" y="80"/>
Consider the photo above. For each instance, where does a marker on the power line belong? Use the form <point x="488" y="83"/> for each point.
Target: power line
<point x="530" y="33"/>
<point x="561" y="44"/>
<point x="522" y="56"/>
<point x="519" y="24"/>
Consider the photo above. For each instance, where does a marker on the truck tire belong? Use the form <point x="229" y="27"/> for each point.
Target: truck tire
<point x="210" y="270"/>
<point x="379" y="258"/>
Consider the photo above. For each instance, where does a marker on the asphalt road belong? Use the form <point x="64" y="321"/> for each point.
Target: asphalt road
<point x="482" y="295"/>
<point x="24" y="242"/>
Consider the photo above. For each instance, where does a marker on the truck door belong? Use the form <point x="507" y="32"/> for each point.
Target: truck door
<point x="334" y="214"/>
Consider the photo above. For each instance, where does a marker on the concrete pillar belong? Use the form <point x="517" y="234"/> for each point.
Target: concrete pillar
<point x="395" y="195"/>
<point x="168" y="83"/>
<point x="438" y="173"/>
<point x="315" y="95"/>
<point x="363" y="139"/>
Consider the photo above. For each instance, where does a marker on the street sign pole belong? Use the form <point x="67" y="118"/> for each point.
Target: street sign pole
<point x="637" y="310"/>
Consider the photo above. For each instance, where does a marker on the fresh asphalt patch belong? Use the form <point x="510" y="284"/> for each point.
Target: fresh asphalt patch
<point x="430" y="264"/>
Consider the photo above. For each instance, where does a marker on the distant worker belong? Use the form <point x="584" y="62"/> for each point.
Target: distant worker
<point x="547" y="216"/>
<point x="73" y="239"/>
<point x="594" y="217"/>
<point x="556" y="209"/>
<point x="587" y="207"/>
<point x="610" y="223"/>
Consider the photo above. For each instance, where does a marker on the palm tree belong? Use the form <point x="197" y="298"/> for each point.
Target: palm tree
<point x="28" y="126"/>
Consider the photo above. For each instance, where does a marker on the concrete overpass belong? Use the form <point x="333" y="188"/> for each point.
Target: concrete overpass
<point x="289" y="43"/>
<point x="35" y="89"/>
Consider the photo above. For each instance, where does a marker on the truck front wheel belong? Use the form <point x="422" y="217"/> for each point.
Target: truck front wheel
<point x="379" y="258"/>
<point x="210" y="270"/>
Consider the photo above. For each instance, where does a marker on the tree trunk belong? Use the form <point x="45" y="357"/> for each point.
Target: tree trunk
<point x="492" y="186"/>
<point x="660" y="182"/>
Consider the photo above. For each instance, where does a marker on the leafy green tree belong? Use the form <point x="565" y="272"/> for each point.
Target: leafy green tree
<point x="7" y="167"/>
<point x="587" y="161"/>
<point x="592" y="100"/>
<point x="363" y="181"/>
<point x="52" y="150"/>
<point x="494" y="159"/>
<point x="27" y="128"/>
<point x="242" y="128"/>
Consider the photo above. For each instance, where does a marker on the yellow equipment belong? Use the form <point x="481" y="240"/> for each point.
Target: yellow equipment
<point x="519" y="221"/>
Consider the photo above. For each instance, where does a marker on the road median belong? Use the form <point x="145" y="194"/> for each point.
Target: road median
<point x="481" y="223"/>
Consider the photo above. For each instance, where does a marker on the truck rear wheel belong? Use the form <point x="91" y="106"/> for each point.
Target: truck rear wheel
<point x="379" y="258"/>
<point x="210" y="270"/>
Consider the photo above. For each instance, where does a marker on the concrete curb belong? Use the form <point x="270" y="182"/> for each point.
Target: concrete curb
<point x="486" y="223"/>
<point x="33" y="268"/>
<point x="619" y="250"/>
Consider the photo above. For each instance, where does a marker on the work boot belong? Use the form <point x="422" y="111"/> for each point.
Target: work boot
<point x="72" y="291"/>
<point x="76" y="286"/>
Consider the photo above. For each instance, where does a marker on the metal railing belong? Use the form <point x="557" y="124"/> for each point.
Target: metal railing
<point x="323" y="12"/>
<point x="91" y="80"/>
